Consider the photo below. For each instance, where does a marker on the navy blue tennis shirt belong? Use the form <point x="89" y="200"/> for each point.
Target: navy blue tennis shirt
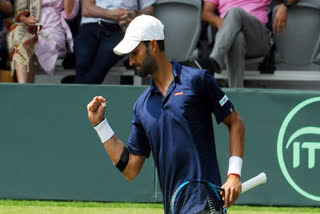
<point x="177" y="128"/>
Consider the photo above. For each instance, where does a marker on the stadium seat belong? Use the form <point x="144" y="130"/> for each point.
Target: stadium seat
<point x="298" y="48"/>
<point x="182" y="21"/>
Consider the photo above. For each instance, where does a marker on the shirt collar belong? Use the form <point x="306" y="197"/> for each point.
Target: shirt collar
<point x="176" y="70"/>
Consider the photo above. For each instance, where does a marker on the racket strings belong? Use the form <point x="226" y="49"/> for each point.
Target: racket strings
<point x="214" y="206"/>
<point x="196" y="198"/>
<point x="211" y="205"/>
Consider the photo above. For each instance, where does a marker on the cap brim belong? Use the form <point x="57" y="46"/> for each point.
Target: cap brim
<point x="125" y="46"/>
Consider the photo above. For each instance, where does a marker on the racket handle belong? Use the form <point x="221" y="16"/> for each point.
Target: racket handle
<point x="253" y="182"/>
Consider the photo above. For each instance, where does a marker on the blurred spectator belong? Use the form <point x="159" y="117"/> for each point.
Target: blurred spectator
<point x="6" y="10"/>
<point x="74" y="24"/>
<point x="241" y="33"/>
<point x="101" y="29"/>
<point x="39" y="29"/>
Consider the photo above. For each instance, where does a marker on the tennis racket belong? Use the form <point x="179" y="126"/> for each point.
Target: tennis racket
<point x="203" y="197"/>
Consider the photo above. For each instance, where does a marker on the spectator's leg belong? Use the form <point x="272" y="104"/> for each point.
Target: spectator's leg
<point x="235" y="61"/>
<point x="104" y="60"/>
<point x="257" y="40"/>
<point x="86" y="45"/>
<point x="237" y="20"/>
<point x="22" y="73"/>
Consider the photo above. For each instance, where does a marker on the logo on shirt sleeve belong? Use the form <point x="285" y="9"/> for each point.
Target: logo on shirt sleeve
<point x="223" y="100"/>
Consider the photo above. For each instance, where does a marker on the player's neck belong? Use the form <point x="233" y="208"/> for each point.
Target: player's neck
<point x="163" y="76"/>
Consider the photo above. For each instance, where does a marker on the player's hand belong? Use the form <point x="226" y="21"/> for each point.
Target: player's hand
<point x="280" y="20"/>
<point x="96" y="110"/>
<point x="232" y="189"/>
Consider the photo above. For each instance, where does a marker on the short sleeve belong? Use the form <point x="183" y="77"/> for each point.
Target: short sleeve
<point x="217" y="100"/>
<point x="138" y="142"/>
<point x="146" y="3"/>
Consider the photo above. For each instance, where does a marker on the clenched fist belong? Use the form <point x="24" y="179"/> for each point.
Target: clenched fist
<point x="96" y="109"/>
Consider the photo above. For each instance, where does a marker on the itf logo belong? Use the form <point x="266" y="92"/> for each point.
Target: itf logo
<point x="298" y="148"/>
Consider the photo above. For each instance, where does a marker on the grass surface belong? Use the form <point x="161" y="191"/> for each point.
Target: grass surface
<point x="52" y="207"/>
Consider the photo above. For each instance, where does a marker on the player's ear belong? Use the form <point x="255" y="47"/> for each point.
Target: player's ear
<point x="153" y="45"/>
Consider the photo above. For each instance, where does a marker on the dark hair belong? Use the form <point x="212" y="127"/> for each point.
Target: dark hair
<point x="160" y="44"/>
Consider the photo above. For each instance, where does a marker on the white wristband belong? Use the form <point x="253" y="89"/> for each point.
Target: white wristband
<point x="104" y="130"/>
<point x="235" y="165"/>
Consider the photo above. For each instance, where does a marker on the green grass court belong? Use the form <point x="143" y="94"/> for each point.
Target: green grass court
<point x="52" y="207"/>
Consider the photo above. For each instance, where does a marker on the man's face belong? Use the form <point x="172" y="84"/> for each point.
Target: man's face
<point x="143" y="63"/>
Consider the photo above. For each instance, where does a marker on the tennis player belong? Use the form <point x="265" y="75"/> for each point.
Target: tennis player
<point x="172" y="118"/>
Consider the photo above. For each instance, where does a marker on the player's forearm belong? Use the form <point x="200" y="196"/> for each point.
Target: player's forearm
<point x="236" y="138"/>
<point x="114" y="148"/>
<point x="236" y="141"/>
<point x="236" y="133"/>
<point x="6" y="8"/>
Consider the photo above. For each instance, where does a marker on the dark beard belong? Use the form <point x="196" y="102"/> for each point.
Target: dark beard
<point x="148" y="66"/>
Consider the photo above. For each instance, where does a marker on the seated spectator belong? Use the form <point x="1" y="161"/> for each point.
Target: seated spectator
<point x="39" y="30"/>
<point x="241" y="33"/>
<point x="101" y="29"/>
<point x="6" y="10"/>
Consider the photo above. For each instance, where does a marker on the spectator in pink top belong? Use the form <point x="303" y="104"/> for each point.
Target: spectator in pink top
<point x="40" y="30"/>
<point x="241" y="34"/>
<point x="54" y="14"/>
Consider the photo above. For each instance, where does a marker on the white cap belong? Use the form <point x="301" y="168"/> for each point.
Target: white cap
<point x="142" y="28"/>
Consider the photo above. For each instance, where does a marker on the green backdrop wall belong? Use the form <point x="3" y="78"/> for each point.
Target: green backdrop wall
<point x="50" y="151"/>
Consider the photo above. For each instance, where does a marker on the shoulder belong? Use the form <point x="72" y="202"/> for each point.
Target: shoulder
<point x="198" y="80"/>
<point x="192" y="75"/>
